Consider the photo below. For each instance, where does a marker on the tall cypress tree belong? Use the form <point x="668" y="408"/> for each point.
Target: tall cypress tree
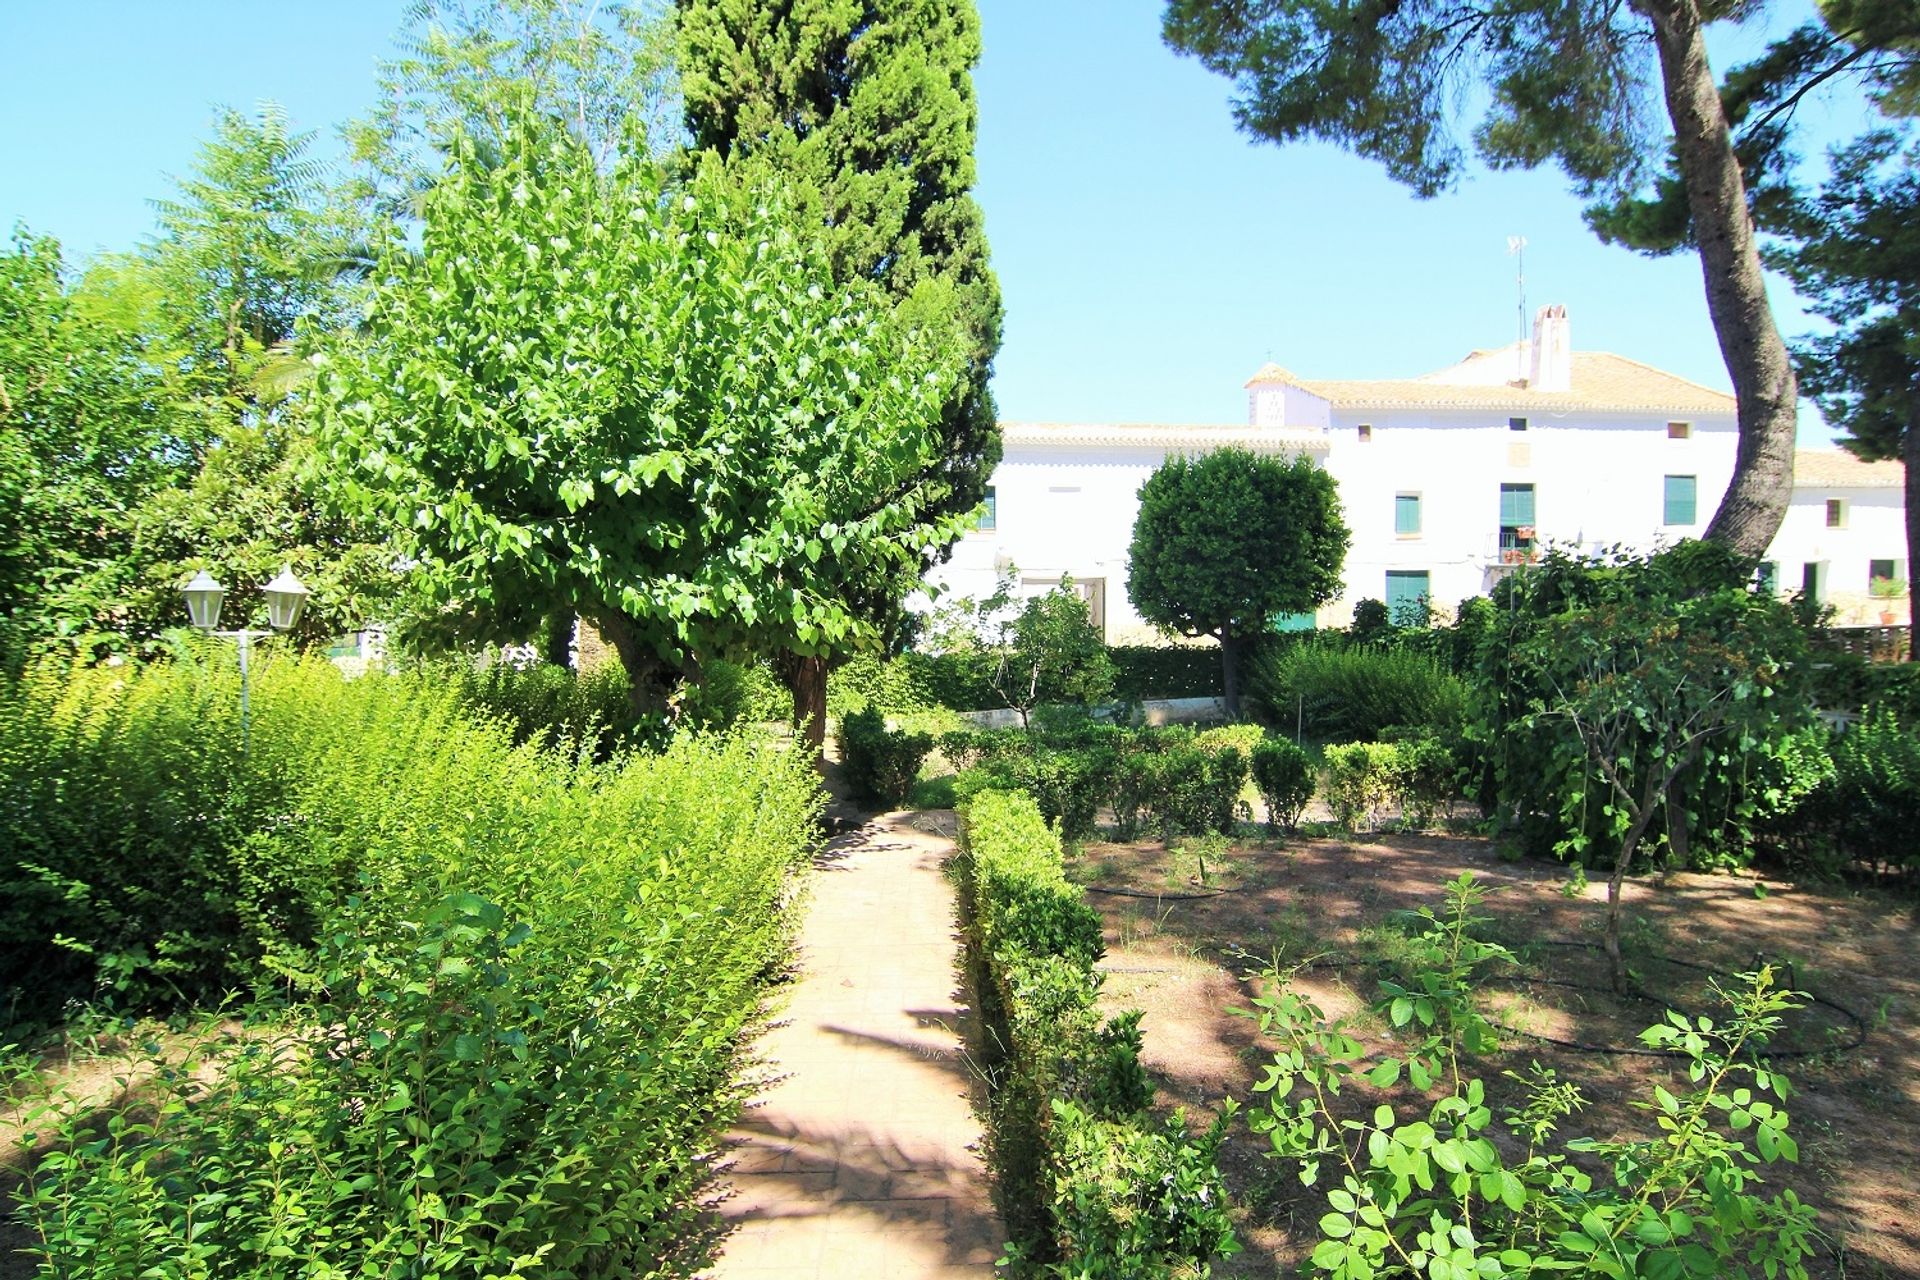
<point x="867" y="106"/>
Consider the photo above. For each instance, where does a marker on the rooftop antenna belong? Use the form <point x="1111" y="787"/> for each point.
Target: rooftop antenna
<point x="1517" y="250"/>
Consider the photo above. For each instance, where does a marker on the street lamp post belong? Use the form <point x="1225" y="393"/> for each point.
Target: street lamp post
<point x="286" y="597"/>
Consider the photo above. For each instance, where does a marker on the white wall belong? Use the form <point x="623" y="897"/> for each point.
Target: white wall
<point x="1598" y="480"/>
<point x="1875" y="529"/>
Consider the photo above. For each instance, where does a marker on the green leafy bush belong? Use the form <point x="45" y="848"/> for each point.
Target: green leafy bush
<point x="530" y="977"/>
<point x="1362" y="778"/>
<point x="1851" y="797"/>
<point x="1283" y="773"/>
<point x="880" y="765"/>
<point x="1086" y="1181"/>
<point x="1426" y="780"/>
<point x="547" y="704"/>
<point x="1354" y="693"/>
<point x="1144" y="671"/>
<point x="1418" y="1188"/>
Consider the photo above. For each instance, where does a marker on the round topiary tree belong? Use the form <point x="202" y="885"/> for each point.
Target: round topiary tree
<point x="1226" y="540"/>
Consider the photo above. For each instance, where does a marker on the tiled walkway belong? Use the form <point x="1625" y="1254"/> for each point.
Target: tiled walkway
<point x="859" y="1161"/>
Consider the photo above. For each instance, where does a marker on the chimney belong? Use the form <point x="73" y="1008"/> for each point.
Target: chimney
<point x="1552" y="350"/>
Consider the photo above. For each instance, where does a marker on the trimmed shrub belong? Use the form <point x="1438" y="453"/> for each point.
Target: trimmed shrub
<point x="1361" y="778"/>
<point x="1085" y="1180"/>
<point x="538" y="973"/>
<point x="880" y="765"/>
<point x="1068" y="786"/>
<point x="1426" y="780"/>
<point x="1146" y="671"/>
<point x="1355" y="693"/>
<point x="1283" y="773"/>
<point x="549" y="705"/>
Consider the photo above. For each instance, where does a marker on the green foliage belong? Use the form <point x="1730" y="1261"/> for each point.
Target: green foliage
<point x="532" y="976"/>
<point x="649" y="408"/>
<point x="1355" y="693"/>
<point x="1087" y="1183"/>
<point x="1421" y="1188"/>
<point x="880" y="764"/>
<point x="87" y="432"/>
<point x="1633" y="674"/>
<point x="1225" y="540"/>
<point x="1426" y="780"/>
<point x="1135" y="1202"/>
<point x="1050" y="652"/>
<point x="550" y="706"/>
<point x="1361" y="780"/>
<point x="1143" y="671"/>
<point x="869" y="112"/>
<point x="1283" y="772"/>
<point x="1852" y="797"/>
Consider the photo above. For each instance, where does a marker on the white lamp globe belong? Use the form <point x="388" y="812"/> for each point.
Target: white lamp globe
<point x="203" y="600"/>
<point x="286" y="597"/>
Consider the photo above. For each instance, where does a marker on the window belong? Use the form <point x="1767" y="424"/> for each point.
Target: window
<point x="1406" y="514"/>
<point x="1882" y="569"/>
<point x="1516" y="523"/>
<point x="1516" y="424"/>
<point x="986" y="517"/>
<point x="1293" y="621"/>
<point x="1407" y="596"/>
<point x="1766" y="579"/>
<point x="1836" y="513"/>
<point x="1679" y="431"/>
<point x="1364" y="431"/>
<point x="1682" y="500"/>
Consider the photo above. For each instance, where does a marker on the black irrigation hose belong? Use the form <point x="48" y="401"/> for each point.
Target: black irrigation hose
<point x="1159" y="897"/>
<point x="1581" y="1046"/>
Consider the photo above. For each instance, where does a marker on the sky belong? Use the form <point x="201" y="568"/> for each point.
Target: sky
<point x="1150" y="257"/>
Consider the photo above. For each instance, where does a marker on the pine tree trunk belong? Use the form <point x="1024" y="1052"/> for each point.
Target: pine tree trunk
<point x="1750" y="343"/>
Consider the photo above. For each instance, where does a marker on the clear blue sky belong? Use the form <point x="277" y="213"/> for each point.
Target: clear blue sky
<point x="1151" y="257"/>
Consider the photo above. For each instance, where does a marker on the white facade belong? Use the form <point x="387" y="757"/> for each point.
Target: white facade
<point x="1847" y="525"/>
<point x="1447" y="481"/>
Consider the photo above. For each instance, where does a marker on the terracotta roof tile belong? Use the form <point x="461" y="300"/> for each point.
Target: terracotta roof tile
<point x="1601" y="381"/>
<point x="1838" y="469"/>
<point x="1162" y="435"/>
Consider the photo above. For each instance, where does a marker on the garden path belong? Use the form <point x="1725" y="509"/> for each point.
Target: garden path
<point x="859" y="1160"/>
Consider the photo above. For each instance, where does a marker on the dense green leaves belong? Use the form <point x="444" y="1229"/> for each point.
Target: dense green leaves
<point x="1226" y="540"/>
<point x="646" y="405"/>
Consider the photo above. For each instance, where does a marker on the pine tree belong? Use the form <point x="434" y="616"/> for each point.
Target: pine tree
<point x="867" y="107"/>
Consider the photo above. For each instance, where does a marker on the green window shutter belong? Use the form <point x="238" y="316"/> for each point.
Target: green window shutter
<point x="1516" y="505"/>
<point x="1681" y="500"/>
<point x="987" y="515"/>
<point x="1407" y="593"/>
<point x="1406" y="513"/>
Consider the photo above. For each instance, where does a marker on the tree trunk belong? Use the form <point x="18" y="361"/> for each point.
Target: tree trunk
<point x="651" y="679"/>
<point x="1616" y="963"/>
<point x="806" y="679"/>
<point x="1230" y="646"/>
<point x="557" y="645"/>
<point x="1750" y="343"/>
<point x="1910" y="459"/>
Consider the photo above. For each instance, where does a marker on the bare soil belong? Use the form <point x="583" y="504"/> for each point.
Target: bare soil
<point x="1853" y="1057"/>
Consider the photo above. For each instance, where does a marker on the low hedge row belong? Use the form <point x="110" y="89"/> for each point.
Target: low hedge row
<point x="1085" y="1178"/>
<point x="1170" y="780"/>
<point x="520" y="983"/>
<point x="879" y="764"/>
<point x="1418" y="775"/>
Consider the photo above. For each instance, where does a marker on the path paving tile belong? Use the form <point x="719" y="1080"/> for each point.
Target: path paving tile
<point x="859" y="1160"/>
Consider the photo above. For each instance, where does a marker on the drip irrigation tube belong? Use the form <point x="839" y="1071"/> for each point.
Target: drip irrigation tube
<point x="1159" y="897"/>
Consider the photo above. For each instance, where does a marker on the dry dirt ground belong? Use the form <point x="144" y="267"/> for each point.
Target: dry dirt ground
<point x="1855" y="1059"/>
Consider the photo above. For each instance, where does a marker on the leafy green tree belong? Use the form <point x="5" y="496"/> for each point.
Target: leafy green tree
<point x="1854" y="254"/>
<point x="1228" y="539"/>
<point x="86" y="433"/>
<point x="1626" y="695"/>
<point x="1047" y="650"/>
<point x="868" y="109"/>
<point x="643" y="404"/>
<point x="251" y="247"/>
<point x="1561" y="80"/>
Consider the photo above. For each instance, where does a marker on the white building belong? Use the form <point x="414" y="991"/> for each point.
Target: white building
<point x="1448" y="481"/>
